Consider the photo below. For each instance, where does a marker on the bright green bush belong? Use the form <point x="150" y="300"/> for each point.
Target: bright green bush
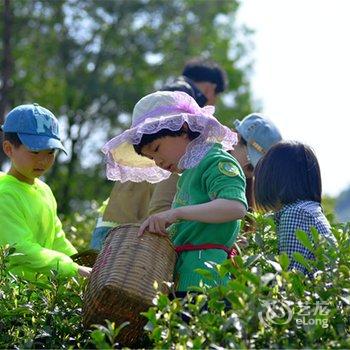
<point x="263" y="306"/>
<point x="42" y="314"/>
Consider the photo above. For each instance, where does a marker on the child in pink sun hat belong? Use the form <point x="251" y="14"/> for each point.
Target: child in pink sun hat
<point x="171" y="133"/>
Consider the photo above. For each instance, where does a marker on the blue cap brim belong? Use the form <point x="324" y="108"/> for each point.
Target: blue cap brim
<point x="254" y="155"/>
<point x="40" y="142"/>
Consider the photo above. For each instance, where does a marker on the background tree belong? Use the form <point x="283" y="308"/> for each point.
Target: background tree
<point x="6" y="64"/>
<point x="342" y="207"/>
<point x="89" y="62"/>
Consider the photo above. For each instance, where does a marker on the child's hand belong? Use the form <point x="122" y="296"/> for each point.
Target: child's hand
<point x="84" y="271"/>
<point x="157" y="223"/>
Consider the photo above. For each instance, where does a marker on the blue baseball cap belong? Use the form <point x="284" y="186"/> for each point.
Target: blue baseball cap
<point x="260" y="134"/>
<point x="36" y="127"/>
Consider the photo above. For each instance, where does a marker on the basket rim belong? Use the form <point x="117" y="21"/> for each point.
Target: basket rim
<point x="131" y="224"/>
<point x="167" y="238"/>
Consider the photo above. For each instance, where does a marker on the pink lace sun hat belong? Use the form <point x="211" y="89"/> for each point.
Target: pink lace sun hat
<point x="157" y="111"/>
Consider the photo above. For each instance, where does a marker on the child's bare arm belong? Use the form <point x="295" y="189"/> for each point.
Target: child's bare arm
<point x="216" y="211"/>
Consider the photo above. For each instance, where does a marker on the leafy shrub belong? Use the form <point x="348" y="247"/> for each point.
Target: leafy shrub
<point x="39" y="314"/>
<point x="264" y="305"/>
<point x="79" y="227"/>
<point x="47" y="313"/>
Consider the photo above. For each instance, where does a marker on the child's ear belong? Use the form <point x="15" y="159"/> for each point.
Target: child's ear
<point x="7" y="148"/>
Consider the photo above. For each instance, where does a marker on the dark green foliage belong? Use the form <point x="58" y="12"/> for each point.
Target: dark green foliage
<point x="41" y="314"/>
<point x="263" y="306"/>
<point x="90" y="61"/>
<point x="79" y="227"/>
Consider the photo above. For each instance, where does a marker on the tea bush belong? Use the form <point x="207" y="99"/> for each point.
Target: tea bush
<point x="45" y="314"/>
<point x="263" y="306"/>
<point x="79" y="227"/>
<point x="41" y="314"/>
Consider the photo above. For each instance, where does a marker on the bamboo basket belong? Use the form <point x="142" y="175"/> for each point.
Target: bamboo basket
<point x="85" y="258"/>
<point x="121" y="284"/>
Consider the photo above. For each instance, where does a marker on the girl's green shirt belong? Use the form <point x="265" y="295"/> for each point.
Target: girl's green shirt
<point x="29" y="222"/>
<point x="218" y="175"/>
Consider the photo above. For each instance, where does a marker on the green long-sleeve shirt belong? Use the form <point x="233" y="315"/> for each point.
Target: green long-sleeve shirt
<point x="29" y="221"/>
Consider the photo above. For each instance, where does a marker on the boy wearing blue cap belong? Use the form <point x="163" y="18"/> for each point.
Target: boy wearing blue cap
<point x="28" y="209"/>
<point x="256" y="135"/>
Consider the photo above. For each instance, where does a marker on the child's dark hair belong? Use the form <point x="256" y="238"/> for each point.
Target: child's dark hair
<point x="12" y="137"/>
<point x="288" y="172"/>
<point x="149" y="138"/>
<point x="199" y="70"/>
